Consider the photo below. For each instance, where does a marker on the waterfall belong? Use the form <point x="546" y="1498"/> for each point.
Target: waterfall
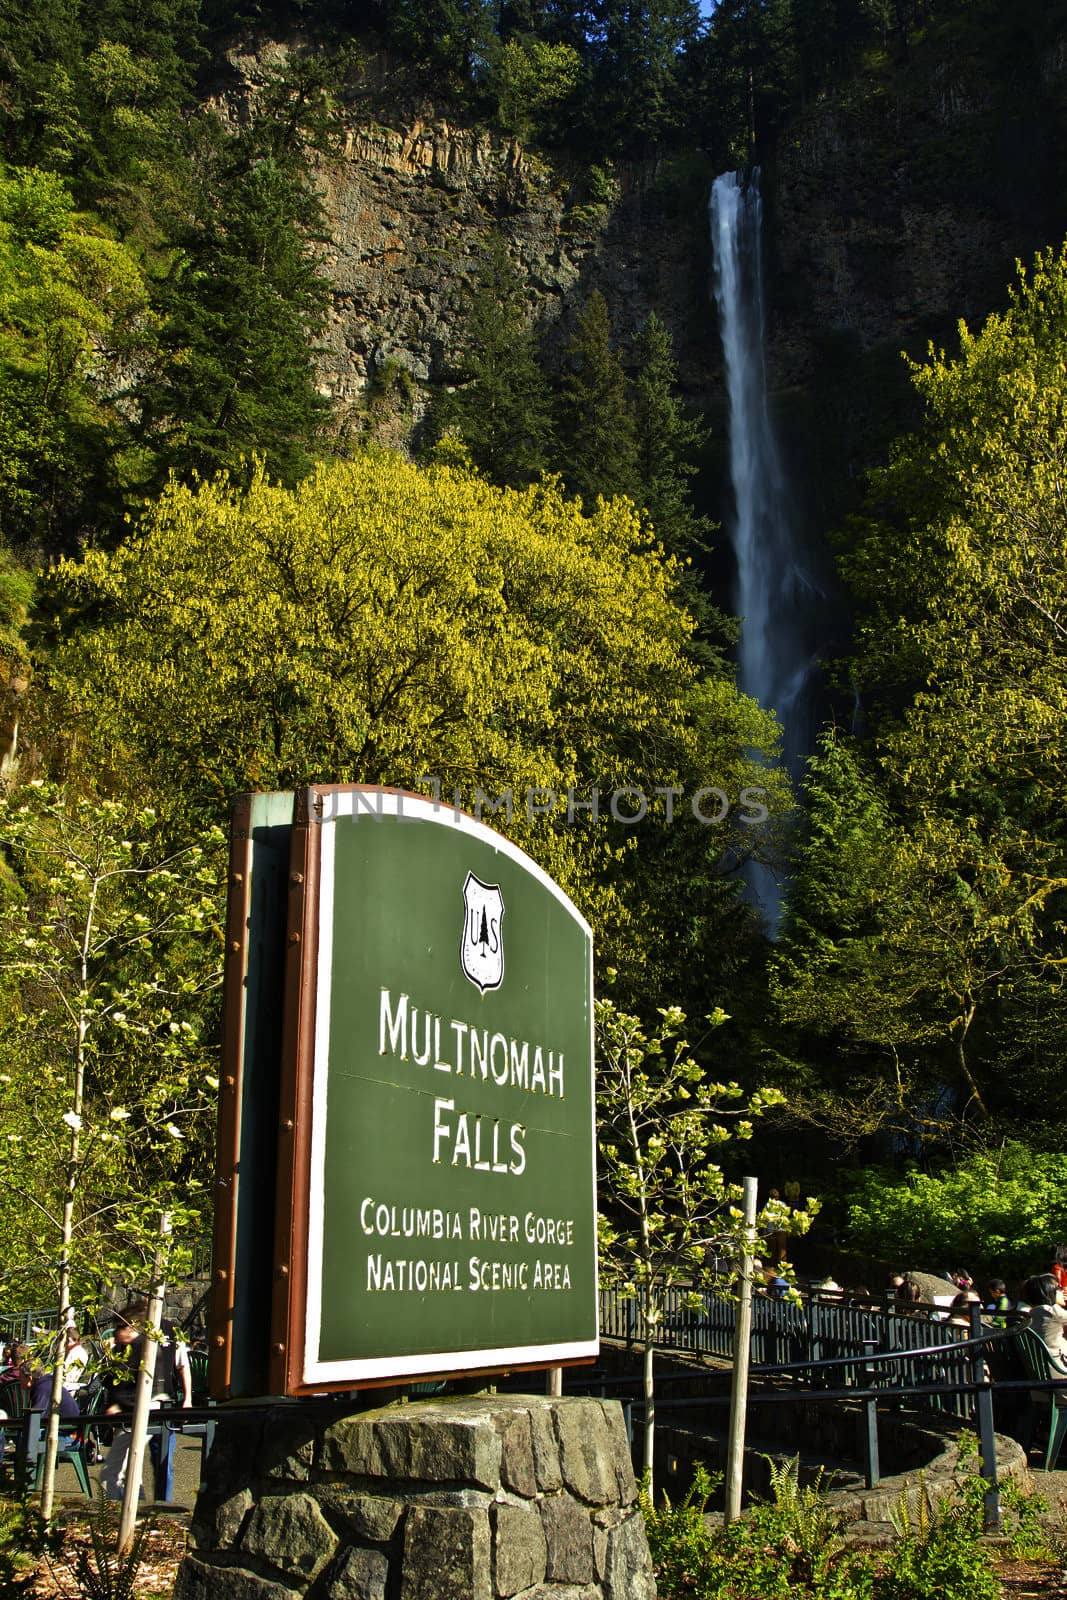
<point x="776" y="593"/>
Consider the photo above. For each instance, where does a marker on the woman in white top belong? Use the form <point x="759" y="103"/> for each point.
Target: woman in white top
<point x="75" y="1361"/>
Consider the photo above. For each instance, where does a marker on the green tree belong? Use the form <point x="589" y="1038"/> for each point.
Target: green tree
<point x="99" y="93"/>
<point x="661" y="1122"/>
<point x="500" y="404"/>
<point x="454" y="40"/>
<point x="598" y="452"/>
<point x="242" y="306"/>
<point x="996" y="1209"/>
<point x="962" y="662"/>
<point x="381" y="623"/>
<point x="535" y="83"/>
<point x="74" y="312"/>
<point x="639" y="53"/>
<point x="666" y="440"/>
<point x="895" y="946"/>
<point x="108" y="951"/>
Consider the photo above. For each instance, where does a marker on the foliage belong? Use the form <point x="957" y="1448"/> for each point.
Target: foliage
<point x="74" y="312"/>
<point x="939" y="1549"/>
<point x="98" y="94"/>
<point x="947" y="937"/>
<point x="660" y="1122"/>
<point x="242" y="305"/>
<point x="98" y="1570"/>
<point x="791" y="1544"/>
<point x="996" y="1210"/>
<point x="24" y="1539"/>
<point x="666" y="440"/>
<point x="498" y="401"/>
<point x="109" y="958"/>
<point x="598" y="454"/>
<point x="382" y="624"/>
<point x="787" y="1546"/>
<point x="680" y="1541"/>
<point x="535" y="82"/>
<point x="894" y="940"/>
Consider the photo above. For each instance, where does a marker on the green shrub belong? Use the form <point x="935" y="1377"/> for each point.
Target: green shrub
<point x="791" y="1546"/>
<point x="938" y="1550"/>
<point x="788" y="1546"/>
<point x="995" y="1211"/>
<point x="24" y="1539"/>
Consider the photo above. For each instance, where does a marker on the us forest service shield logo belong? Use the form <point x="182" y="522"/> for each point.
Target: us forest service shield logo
<point x="481" y="950"/>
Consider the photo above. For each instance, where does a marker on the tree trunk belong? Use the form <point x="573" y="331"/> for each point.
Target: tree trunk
<point x="650" y="1405"/>
<point x="51" y="1455"/>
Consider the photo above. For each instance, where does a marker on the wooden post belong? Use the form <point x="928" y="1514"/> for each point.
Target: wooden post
<point x="143" y="1401"/>
<point x="554" y="1382"/>
<point x="735" y="1447"/>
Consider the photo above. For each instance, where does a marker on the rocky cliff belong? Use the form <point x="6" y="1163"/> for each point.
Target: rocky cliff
<point x="895" y="206"/>
<point x="411" y="207"/>
<point x="899" y="205"/>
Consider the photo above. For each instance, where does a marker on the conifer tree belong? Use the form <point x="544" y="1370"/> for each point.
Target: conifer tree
<point x="243" y="306"/>
<point x="500" y="406"/>
<point x="665" y="439"/>
<point x="598" y="453"/>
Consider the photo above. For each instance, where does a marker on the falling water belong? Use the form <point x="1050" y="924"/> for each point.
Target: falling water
<point x="776" y="593"/>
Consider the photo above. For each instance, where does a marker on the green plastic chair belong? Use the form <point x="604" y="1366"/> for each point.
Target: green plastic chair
<point x="1039" y="1362"/>
<point x="71" y="1449"/>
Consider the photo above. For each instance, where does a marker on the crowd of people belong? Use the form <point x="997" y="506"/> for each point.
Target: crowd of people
<point x="1041" y="1301"/>
<point x="102" y="1376"/>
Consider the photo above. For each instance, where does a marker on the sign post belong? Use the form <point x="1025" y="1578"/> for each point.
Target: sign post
<point x="435" y="1204"/>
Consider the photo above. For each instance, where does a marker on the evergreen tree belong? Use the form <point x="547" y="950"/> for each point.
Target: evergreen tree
<point x="500" y="406"/>
<point x="453" y="39"/>
<point x="639" y="59"/>
<point x="665" y="441"/>
<point x="598" y="448"/>
<point x="243" y="305"/>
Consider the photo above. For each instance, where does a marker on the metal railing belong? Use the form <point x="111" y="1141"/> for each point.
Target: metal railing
<point x="952" y="1370"/>
<point x="26" y="1327"/>
<point x="798" y="1337"/>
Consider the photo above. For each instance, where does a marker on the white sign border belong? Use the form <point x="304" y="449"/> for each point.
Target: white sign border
<point x="352" y="802"/>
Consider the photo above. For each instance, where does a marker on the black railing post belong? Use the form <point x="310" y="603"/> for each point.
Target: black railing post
<point x="872" y="1464"/>
<point x="815" y="1329"/>
<point x="871" y="1459"/>
<point x="986" y="1437"/>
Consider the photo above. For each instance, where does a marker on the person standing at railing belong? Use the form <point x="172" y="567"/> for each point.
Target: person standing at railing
<point x="907" y="1299"/>
<point x="1048" y="1318"/>
<point x="172" y="1385"/>
<point x="997" y="1303"/>
<point x="960" y="1310"/>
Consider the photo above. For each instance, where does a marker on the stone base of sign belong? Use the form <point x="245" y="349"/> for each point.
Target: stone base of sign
<point x="511" y="1497"/>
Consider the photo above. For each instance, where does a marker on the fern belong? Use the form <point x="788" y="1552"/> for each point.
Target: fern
<point x="101" y="1571"/>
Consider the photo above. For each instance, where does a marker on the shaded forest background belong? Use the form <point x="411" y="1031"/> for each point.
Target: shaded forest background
<point x="215" y="577"/>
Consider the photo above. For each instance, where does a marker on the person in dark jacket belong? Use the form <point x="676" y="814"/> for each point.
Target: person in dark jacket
<point x="171" y="1383"/>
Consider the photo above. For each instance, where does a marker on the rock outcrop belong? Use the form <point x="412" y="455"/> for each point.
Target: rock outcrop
<point x="483" y="1498"/>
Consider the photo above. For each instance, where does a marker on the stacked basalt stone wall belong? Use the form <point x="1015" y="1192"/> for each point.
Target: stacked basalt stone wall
<point x="466" y="1498"/>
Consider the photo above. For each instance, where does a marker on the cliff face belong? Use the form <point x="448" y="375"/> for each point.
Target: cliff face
<point x="898" y="206"/>
<point x="411" y="210"/>
<point x="893" y="207"/>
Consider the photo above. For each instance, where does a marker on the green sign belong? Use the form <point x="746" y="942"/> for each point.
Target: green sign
<point x="451" y="1200"/>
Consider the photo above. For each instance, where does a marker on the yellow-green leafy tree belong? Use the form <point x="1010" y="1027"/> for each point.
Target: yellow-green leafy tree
<point x="110" y="954"/>
<point x="955" y="918"/>
<point x="386" y="624"/>
<point x="662" y="1123"/>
